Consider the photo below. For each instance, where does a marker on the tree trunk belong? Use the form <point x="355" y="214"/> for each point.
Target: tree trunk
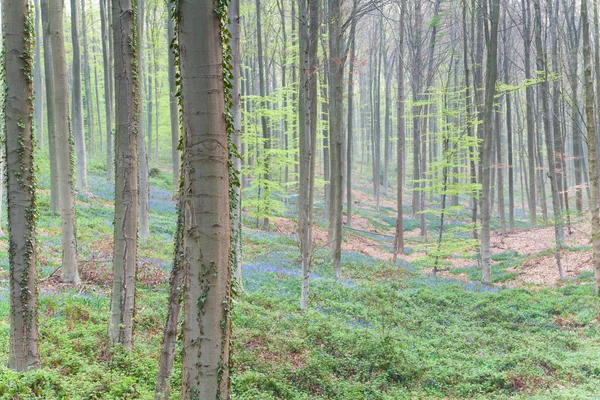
<point x="544" y="91"/>
<point x="592" y="147"/>
<point x="77" y="112"/>
<point x="263" y="120"/>
<point x="38" y="86"/>
<point x="122" y="304"/>
<point x="167" y="352"/>
<point x="206" y="236"/>
<point x="64" y="150"/>
<point x="24" y="352"/>
<point x="350" y="139"/>
<point x="236" y="111"/>
<point x="144" y="185"/>
<point x="49" y="72"/>
<point x="307" y="138"/>
<point x="509" y="133"/>
<point x="87" y="80"/>
<point x="108" y="94"/>
<point x="529" y="114"/>
<point x="490" y="90"/>
<point x="173" y="111"/>
<point x="399" y="240"/>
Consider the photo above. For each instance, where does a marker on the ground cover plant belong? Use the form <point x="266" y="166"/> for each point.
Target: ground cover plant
<point x="383" y="331"/>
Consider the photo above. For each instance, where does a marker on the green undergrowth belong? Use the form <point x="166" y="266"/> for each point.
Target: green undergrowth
<point x="384" y="331"/>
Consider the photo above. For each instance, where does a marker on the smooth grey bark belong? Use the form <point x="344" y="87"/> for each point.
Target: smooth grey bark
<point x="87" y="80"/>
<point x="592" y="145"/>
<point x="509" y="131"/>
<point x="167" y="352"/>
<point x="573" y="39"/>
<point x="108" y="87"/>
<point x="77" y="103"/>
<point x="173" y="109"/>
<point x="266" y="176"/>
<point x="122" y="302"/>
<point x="469" y="121"/>
<point x="236" y="111"/>
<point x="49" y="73"/>
<point x="24" y="352"/>
<point x="63" y="147"/>
<point x="416" y="81"/>
<point x="399" y="239"/>
<point x="306" y="156"/>
<point x="38" y="86"/>
<point x="350" y="123"/>
<point x="206" y="249"/>
<point x="335" y="97"/>
<point x="490" y="90"/>
<point x="550" y="150"/>
<point x="529" y="115"/>
<point x="144" y="184"/>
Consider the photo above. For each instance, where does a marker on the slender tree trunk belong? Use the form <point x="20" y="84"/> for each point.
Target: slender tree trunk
<point x="263" y="120"/>
<point x="306" y="103"/>
<point x="144" y="185"/>
<point x="350" y="138"/>
<point x="108" y="94"/>
<point x="122" y="304"/>
<point x="544" y="88"/>
<point x="499" y="173"/>
<point x="206" y="236"/>
<point x="469" y="116"/>
<point x="529" y="114"/>
<point x="38" y="86"/>
<point x="236" y="111"/>
<point x="167" y="352"/>
<point x="592" y="145"/>
<point x="50" y="105"/>
<point x="87" y="80"/>
<point x="399" y="240"/>
<point x="173" y="111"/>
<point x="77" y="101"/>
<point x="509" y="132"/>
<point x="18" y="38"/>
<point x="64" y="150"/>
<point x="490" y="90"/>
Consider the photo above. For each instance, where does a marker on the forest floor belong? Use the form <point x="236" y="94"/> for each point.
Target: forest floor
<point x="384" y="331"/>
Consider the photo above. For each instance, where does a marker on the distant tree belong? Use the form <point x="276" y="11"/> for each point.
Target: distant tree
<point x="50" y="107"/>
<point x="63" y="143"/>
<point x="77" y="101"/>
<point x="19" y="37"/>
<point x="490" y="91"/>
<point x="592" y="145"/>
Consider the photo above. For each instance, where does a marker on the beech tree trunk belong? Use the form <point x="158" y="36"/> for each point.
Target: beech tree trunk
<point x="24" y="352"/>
<point x="63" y="144"/>
<point x="206" y="248"/>
<point x="550" y="150"/>
<point x="592" y="145"/>
<point x="167" y="352"/>
<point x="87" y="81"/>
<point x="37" y="79"/>
<point x="399" y="241"/>
<point x="49" y="72"/>
<point x="236" y="111"/>
<point x="77" y="101"/>
<point x="108" y="94"/>
<point x="173" y="108"/>
<point x="490" y="90"/>
<point x="122" y="303"/>
<point x="144" y="185"/>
